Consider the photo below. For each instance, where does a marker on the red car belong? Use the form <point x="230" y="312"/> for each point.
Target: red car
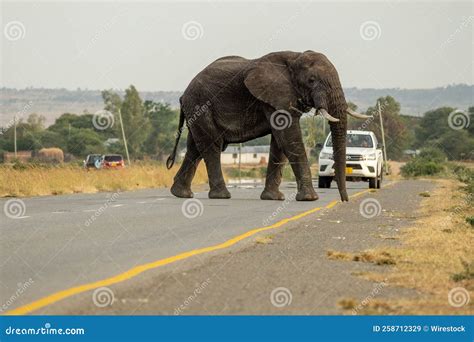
<point x="112" y="161"/>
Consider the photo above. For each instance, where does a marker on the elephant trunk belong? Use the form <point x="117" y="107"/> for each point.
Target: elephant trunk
<point x="337" y="107"/>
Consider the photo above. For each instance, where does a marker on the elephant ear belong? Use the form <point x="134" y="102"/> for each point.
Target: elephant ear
<point x="270" y="82"/>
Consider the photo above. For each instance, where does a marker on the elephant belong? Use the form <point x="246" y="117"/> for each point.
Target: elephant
<point x="235" y="99"/>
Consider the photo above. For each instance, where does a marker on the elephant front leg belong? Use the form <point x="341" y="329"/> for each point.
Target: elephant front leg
<point x="276" y="163"/>
<point x="291" y="142"/>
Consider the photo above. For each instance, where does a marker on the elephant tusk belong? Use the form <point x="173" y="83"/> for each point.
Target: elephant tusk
<point x="327" y="116"/>
<point x="357" y="115"/>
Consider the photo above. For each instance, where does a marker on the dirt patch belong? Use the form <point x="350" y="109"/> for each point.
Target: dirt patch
<point x="394" y="168"/>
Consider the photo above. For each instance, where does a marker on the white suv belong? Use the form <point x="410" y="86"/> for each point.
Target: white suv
<point x="364" y="160"/>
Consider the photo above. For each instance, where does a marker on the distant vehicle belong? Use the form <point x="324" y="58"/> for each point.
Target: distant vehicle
<point x="364" y="160"/>
<point x="93" y="161"/>
<point x="112" y="161"/>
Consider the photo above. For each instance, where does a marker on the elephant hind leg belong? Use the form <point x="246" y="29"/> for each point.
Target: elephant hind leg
<point x="184" y="177"/>
<point x="276" y="163"/>
<point x="211" y="153"/>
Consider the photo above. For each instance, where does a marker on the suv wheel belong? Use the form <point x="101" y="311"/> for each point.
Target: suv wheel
<point x="373" y="182"/>
<point x="379" y="180"/>
<point x="324" y="182"/>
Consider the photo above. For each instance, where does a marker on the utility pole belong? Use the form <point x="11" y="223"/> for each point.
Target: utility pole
<point x="240" y="163"/>
<point x="324" y="128"/>
<point x="123" y="136"/>
<point x="383" y="139"/>
<point x="14" y="136"/>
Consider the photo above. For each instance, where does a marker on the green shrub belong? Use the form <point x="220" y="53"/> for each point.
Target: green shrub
<point x="429" y="162"/>
<point x="470" y="220"/>
<point x="466" y="176"/>
<point x="421" y="167"/>
<point x="432" y="154"/>
<point x="467" y="272"/>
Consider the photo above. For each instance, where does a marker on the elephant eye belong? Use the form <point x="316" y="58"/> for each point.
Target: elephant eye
<point x="312" y="80"/>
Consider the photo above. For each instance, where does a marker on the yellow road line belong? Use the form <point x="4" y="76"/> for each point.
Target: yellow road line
<point x="133" y="272"/>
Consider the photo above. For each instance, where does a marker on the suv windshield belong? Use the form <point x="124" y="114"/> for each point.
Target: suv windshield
<point x="355" y="140"/>
<point x="113" y="158"/>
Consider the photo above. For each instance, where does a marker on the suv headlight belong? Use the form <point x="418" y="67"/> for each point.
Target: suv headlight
<point x="325" y="155"/>
<point x="370" y="156"/>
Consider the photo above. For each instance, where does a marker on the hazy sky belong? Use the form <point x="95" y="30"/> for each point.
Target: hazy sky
<point x="162" y="45"/>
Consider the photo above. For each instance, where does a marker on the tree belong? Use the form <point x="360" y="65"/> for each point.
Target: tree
<point x="84" y="141"/>
<point x="396" y="134"/>
<point x="112" y="101"/>
<point x="433" y="125"/>
<point x="435" y="130"/>
<point x="52" y="139"/>
<point x="470" y="128"/>
<point x="36" y="122"/>
<point x="26" y="134"/>
<point x="136" y="124"/>
<point x="163" y="123"/>
<point x="68" y="120"/>
<point x="112" y="104"/>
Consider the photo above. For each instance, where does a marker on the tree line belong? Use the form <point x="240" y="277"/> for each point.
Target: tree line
<point x="150" y="129"/>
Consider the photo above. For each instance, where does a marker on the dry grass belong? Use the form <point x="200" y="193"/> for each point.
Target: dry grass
<point x="264" y="240"/>
<point x="375" y="257"/>
<point x="368" y="307"/>
<point x="436" y="256"/>
<point x="68" y="179"/>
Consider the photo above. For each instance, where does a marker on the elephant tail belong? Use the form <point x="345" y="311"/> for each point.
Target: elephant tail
<point x="172" y="157"/>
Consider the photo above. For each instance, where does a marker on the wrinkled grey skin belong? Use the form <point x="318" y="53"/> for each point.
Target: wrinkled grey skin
<point x="232" y="101"/>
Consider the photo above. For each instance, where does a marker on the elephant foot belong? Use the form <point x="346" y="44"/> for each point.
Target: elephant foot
<point x="344" y="196"/>
<point x="220" y="193"/>
<point x="307" y="194"/>
<point x="274" y="195"/>
<point x="181" y="191"/>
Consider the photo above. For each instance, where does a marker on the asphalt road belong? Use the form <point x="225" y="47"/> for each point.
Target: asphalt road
<point x="64" y="241"/>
